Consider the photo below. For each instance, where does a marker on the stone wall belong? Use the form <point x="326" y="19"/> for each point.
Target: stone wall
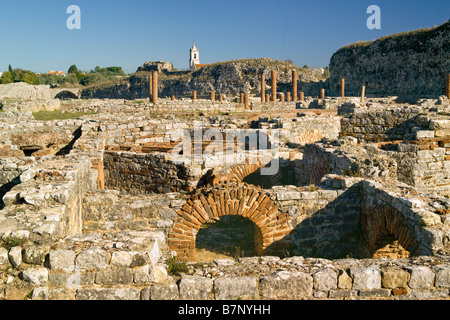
<point x="140" y="173"/>
<point x="22" y="90"/>
<point x="106" y="211"/>
<point x="375" y="124"/>
<point x="46" y="204"/>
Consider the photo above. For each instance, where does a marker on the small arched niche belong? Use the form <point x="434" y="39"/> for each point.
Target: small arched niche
<point x="228" y="237"/>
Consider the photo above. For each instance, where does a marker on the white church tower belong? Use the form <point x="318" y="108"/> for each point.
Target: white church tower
<point x="195" y="58"/>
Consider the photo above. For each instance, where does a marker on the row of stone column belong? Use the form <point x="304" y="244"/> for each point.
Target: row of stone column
<point x="273" y="97"/>
<point x="153" y="89"/>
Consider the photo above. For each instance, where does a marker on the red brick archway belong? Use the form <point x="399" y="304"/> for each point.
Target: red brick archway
<point x="382" y="220"/>
<point x="233" y="199"/>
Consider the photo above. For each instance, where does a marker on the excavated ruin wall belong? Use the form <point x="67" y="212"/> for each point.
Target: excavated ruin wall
<point x="106" y="211"/>
<point x="127" y="264"/>
<point x="376" y="124"/>
<point x="139" y="173"/>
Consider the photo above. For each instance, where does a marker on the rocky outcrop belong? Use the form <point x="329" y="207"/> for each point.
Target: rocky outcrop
<point x="413" y="63"/>
<point x="156" y="65"/>
<point x="229" y="78"/>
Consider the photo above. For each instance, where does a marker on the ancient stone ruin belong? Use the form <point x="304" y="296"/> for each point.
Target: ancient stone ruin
<point x="253" y="197"/>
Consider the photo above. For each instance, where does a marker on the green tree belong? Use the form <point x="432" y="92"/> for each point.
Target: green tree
<point x="10" y="69"/>
<point x="7" y="77"/>
<point x="73" y="69"/>
<point x="27" y="76"/>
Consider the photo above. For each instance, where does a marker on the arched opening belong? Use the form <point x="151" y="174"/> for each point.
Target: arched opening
<point x="66" y="95"/>
<point x="227" y="237"/>
<point x="387" y="233"/>
<point x="234" y="199"/>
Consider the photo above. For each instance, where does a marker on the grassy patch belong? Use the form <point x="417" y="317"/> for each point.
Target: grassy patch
<point x="58" y="115"/>
<point x="176" y="266"/>
<point x="10" y="242"/>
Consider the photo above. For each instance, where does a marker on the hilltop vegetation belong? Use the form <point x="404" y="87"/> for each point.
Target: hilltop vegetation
<point x="73" y="78"/>
<point x="405" y="64"/>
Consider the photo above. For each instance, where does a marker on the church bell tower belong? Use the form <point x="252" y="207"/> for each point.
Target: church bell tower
<point x="195" y="58"/>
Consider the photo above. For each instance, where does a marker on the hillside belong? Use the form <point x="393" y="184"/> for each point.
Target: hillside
<point x="228" y="78"/>
<point x="412" y="63"/>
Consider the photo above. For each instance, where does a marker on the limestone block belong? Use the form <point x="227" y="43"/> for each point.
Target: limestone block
<point x="336" y="294"/>
<point x="195" y="288"/>
<point x="366" y="278"/>
<point x="393" y="278"/>
<point x="114" y="276"/>
<point x="164" y="292"/>
<point x="4" y="256"/>
<point x="62" y="260"/>
<point x="374" y="293"/>
<point x="107" y="294"/>
<point x="233" y="288"/>
<point x="40" y="293"/>
<point x="442" y="276"/>
<point x="35" y="254"/>
<point x="421" y="277"/>
<point x="224" y="262"/>
<point x="427" y="294"/>
<point x="15" y="256"/>
<point x="37" y="277"/>
<point x="286" y="286"/>
<point x="421" y="134"/>
<point x="122" y="258"/>
<point x="437" y="124"/>
<point x="325" y="280"/>
<point x="92" y="258"/>
<point x="158" y="273"/>
<point x="283" y="195"/>
<point x="344" y="280"/>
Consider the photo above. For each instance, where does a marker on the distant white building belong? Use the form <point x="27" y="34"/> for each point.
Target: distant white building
<point x="1" y="73"/>
<point x="194" y="57"/>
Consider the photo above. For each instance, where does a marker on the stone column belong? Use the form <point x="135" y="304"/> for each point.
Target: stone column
<point x="342" y="88"/>
<point x="263" y="87"/>
<point x="294" y="85"/>
<point x="322" y="93"/>
<point x="150" y="88"/>
<point x="246" y="102"/>
<point x="288" y="96"/>
<point x="194" y="95"/>
<point x="363" y="93"/>
<point x="302" y="96"/>
<point x="212" y="96"/>
<point x="274" y="85"/>
<point x="173" y="98"/>
<point x="447" y="89"/>
<point x="220" y="97"/>
<point x="155" y="86"/>
<point x="267" y="97"/>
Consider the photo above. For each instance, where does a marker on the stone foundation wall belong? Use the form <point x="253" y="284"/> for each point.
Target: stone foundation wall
<point x="139" y="173"/>
<point x="323" y="221"/>
<point x="106" y="211"/>
<point x="376" y="124"/>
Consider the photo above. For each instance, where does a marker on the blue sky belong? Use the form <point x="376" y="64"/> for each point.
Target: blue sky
<point x="34" y="35"/>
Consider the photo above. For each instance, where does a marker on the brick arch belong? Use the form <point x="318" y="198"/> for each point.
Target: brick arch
<point x="382" y="220"/>
<point x="235" y="174"/>
<point x="233" y="199"/>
